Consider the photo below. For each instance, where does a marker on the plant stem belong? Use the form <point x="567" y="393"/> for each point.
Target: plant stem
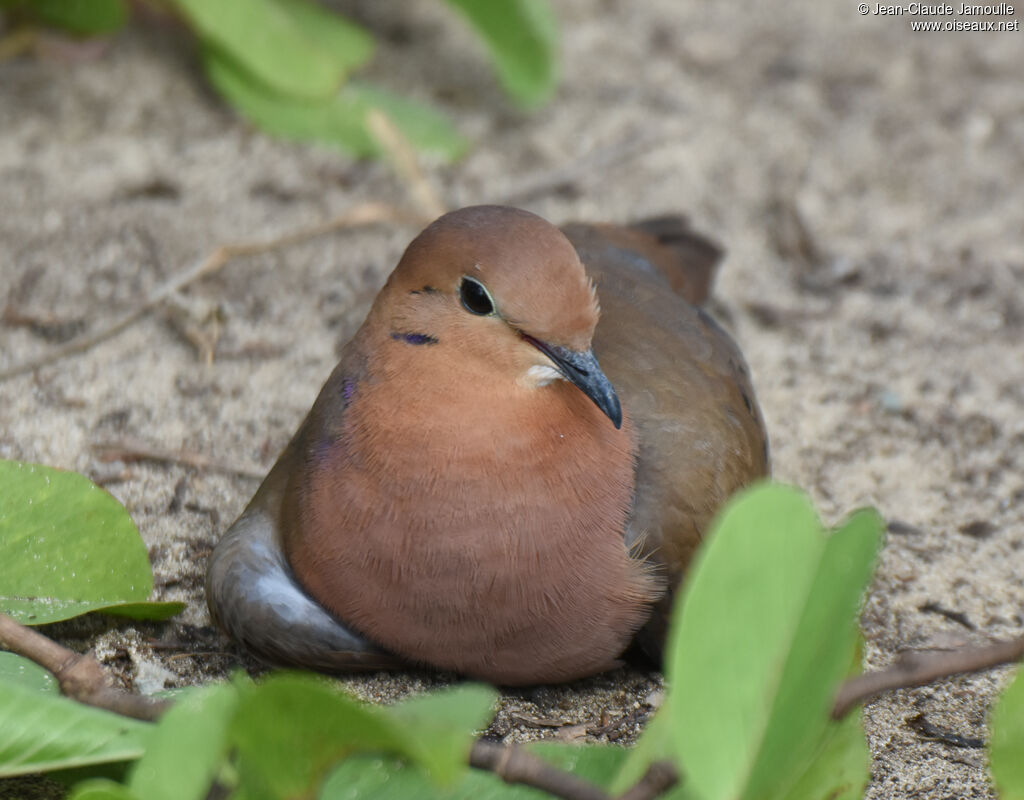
<point x="80" y="676"/>
<point x="917" y="669"/>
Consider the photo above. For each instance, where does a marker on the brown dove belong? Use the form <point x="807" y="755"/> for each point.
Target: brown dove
<point x="511" y="466"/>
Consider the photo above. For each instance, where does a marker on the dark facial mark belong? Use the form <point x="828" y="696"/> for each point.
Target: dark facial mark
<point x="413" y="338"/>
<point x="424" y="290"/>
<point x="747" y="403"/>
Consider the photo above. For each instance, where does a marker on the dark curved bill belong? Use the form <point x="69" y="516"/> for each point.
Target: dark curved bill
<point x="582" y="369"/>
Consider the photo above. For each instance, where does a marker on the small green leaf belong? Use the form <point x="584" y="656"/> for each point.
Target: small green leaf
<point x="339" y="121"/>
<point x="187" y="747"/>
<point x="102" y="789"/>
<point x="67" y="548"/>
<point x="522" y="37"/>
<point x="21" y="671"/>
<point x="597" y="763"/>
<point x="373" y="777"/>
<point x="81" y="17"/>
<point x="427" y="129"/>
<point x="1006" y="748"/>
<point x="765" y="632"/>
<point x="292" y="47"/>
<point x="440" y="727"/>
<point x="47" y="732"/>
<point x="349" y="45"/>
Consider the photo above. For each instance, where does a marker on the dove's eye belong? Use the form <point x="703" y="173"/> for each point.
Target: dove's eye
<point x="475" y="298"/>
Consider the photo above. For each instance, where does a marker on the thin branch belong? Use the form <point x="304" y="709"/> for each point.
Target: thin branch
<point x="917" y="669"/>
<point x="406" y="164"/>
<point x="133" y="450"/>
<point x="367" y="214"/>
<point x="659" y="778"/>
<point x="80" y="676"/>
<point x="514" y="765"/>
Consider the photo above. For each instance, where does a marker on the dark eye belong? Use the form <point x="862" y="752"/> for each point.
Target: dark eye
<point x="475" y="297"/>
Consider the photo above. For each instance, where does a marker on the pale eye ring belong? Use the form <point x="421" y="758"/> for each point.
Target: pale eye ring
<point x="475" y="297"/>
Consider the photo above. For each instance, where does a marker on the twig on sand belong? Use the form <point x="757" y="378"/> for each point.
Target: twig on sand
<point x="366" y="214"/>
<point x="134" y="450"/>
<point x="917" y="669"/>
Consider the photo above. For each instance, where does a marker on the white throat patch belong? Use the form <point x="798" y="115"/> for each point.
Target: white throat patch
<point x="542" y="375"/>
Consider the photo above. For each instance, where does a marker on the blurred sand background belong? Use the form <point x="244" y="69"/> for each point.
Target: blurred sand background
<point x="865" y="180"/>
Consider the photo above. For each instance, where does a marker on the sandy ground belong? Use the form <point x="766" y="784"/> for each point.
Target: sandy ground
<point x="866" y="181"/>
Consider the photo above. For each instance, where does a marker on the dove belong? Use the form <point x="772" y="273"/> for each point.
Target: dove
<point x="510" y="468"/>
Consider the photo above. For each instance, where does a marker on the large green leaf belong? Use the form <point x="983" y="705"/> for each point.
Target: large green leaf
<point x="840" y="768"/>
<point x="522" y="38"/>
<point x="1006" y="748"/>
<point x="15" y="669"/>
<point x="187" y="747"/>
<point x="82" y="17"/>
<point x="102" y="789"/>
<point x="46" y="732"/>
<point x="765" y="632"/>
<point x="654" y="744"/>
<point x="294" y="47"/>
<point x="339" y="121"/>
<point x="67" y="547"/>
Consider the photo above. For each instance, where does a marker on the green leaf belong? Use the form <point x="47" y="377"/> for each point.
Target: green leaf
<point x="47" y="732"/>
<point x="339" y="121"/>
<point x="597" y="763"/>
<point x="291" y="729"/>
<point x="654" y="744"/>
<point x="840" y="769"/>
<point x="187" y="747"/>
<point x="82" y="17"/>
<point x="440" y="727"/>
<point x="367" y="777"/>
<point x="765" y="633"/>
<point x="1006" y="747"/>
<point x="102" y="789"/>
<point x="348" y="44"/>
<point x="68" y="548"/>
<point x="292" y="47"/>
<point x="426" y="128"/>
<point x="17" y="670"/>
<point x="522" y="38"/>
